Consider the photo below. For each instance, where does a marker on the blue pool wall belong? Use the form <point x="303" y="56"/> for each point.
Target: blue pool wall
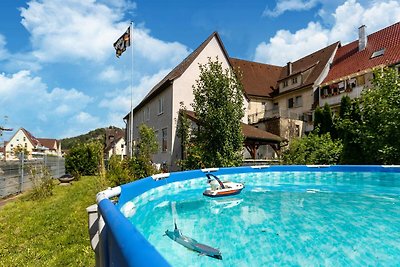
<point x="123" y="245"/>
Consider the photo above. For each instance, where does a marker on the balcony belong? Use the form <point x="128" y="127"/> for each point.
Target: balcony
<point x="274" y="113"/>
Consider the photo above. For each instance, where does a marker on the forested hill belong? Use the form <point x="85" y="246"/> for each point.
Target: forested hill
<point x="98" y="134"/>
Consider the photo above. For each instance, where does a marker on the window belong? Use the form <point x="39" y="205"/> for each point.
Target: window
<point x="26" y="145"/>
<point x="164" y="146"/>
<point x="285" y="83"/>
<point x="160" y="105"/>
<point x="263" y="103"/>
<point x="146" y="114"/>
<point x="294" y="80"/>
<point x="122" y="146"/>
<point x="24" y="138"/>
<point x="275" y="106"/>
<point x="298" y="102"/>
<point x="290" y="103"/>
<point x="341" y="87"/>
<point x="378" y="53"/>
<point x="352" y="83"/>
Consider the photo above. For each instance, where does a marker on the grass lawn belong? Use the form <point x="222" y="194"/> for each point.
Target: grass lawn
<point x="49" y="232"/>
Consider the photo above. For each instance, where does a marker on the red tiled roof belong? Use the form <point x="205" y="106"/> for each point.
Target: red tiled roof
<point x="348" y="60"/>
<point x="258" y="79"/>
<point x="47" y="142"/>
<point x="249" y="132"/>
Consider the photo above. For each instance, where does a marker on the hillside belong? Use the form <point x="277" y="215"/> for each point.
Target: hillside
<point x="97" y="134"/>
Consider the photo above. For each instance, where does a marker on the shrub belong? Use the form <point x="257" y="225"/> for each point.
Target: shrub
<point x="43" y="183"/>
<point x="313" y="149"/>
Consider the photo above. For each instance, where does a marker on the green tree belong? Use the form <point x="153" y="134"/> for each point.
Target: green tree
<point x="85" y="159"/>
<point x="218" y="104"/>
<point x="381" y="118"/>
<point x="318" y="118"/>
<point x="349" y="131"/>
<point x="313" y="149"/>
<point x="345" y="107"/>
<point x="147" y="146"/>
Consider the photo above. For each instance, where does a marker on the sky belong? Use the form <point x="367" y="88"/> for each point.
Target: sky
<point x="59" y="76"/>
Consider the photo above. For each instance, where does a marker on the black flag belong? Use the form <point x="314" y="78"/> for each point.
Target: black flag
<point x="123" y="42"/>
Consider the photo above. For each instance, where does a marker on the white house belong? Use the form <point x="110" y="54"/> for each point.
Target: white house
<point x="33" y="146"/>
<point x="159" y="109"/>
<point x="114" y="143"/>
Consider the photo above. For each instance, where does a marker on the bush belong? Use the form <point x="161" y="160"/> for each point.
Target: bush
<point x="118" y="171"/>
<point x="313" y="149"/>
<point x="43" y="183"/>
<point x="85" y="159"/>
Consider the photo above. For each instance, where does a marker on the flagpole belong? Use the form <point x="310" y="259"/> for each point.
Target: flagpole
<point x="131" y="119"/>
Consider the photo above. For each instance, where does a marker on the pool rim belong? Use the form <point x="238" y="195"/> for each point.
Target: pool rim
<point x="119" y="239"/>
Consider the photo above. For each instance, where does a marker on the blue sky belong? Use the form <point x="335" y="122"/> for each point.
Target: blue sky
<point x="59" y="76"/>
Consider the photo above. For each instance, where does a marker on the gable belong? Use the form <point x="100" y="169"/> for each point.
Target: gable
<point x="178" y="71"/>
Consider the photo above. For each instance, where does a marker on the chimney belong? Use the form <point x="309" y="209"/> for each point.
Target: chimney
<point x="362" y="38"/>
<point x="289" y="68"/>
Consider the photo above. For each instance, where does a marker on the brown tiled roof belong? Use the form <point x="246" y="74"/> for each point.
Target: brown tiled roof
<point x="317" y="61"/>
<point x="249" y="132"/>
<point x="348" y="60"/>
<point x="47" y="142"/>
<point x="258" y="79"/>
<point x="179" y="70"/>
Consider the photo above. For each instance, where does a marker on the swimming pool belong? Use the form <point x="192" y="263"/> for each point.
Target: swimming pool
<point x="286" y="215"/>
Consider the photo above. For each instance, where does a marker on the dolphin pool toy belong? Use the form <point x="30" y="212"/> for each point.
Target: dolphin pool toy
<point x="192" y="244"/>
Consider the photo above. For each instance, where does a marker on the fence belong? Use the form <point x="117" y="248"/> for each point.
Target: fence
<point x="15" y="176"/>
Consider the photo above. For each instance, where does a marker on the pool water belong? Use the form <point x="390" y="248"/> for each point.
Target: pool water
<point x="292" y="219"/>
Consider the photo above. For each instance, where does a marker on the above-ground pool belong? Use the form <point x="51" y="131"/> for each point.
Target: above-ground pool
<point x="293" y="216"/>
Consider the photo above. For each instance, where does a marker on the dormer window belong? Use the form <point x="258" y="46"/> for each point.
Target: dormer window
<point x="378" y="53"/>
<point x="285" y="83"/>
<point x="294" y="80"/>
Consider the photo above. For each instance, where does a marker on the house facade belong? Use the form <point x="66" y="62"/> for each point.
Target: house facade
<point x="34" y="147"/>
<point x="114" y="143"/>
<point x="289" y="93"/>
<point x="160" y="108"/>
<point x="352" y="68"/>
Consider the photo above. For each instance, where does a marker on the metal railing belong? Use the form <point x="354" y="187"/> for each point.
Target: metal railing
<point x="274" y="113"/>
<point x="15" y="176"/>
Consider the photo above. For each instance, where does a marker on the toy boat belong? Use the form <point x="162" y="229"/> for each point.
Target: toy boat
<point x="192" y="244"/>
<point x="221" y="189"/>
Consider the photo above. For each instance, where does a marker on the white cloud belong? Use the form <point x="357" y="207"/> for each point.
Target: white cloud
<point x="29" y="103"/>
<point x="156" y="50"/>
<point x="289" y="5"/>
<point x="69" y="30"/>
<point x="286" y="46"/>
<point x="3" y="50"/>
<point x="112" y="75"/>
<point x="72" y="29"/>
<point x="120" y="100"/>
